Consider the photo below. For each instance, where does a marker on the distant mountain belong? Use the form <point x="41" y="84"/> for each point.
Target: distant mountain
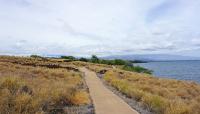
<point x="152" y="57"/>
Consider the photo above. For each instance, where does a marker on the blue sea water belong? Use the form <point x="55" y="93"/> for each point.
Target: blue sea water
<point x="181" y="70"/>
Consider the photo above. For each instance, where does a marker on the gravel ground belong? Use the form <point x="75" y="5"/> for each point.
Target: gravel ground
<point x="87" y="109"/>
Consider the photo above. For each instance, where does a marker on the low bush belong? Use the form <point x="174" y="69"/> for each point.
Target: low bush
<point x="137" y="69"/>
<point x="72" y="58"/>
<point x="83" y="59"/>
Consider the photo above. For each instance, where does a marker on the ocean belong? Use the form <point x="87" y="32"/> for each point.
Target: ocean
<point x="181" y="70"/>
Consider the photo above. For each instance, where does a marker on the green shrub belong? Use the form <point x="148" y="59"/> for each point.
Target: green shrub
<point x="83" y="59"/>
<point x="120" y="62"/>
<point x="94" y="59"/>
<point x="137" y="69"/>
<point x="68" y="57"/>
<point x="38" y="57"/>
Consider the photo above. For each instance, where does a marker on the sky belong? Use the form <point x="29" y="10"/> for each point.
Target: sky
<point x="101" y="27"/>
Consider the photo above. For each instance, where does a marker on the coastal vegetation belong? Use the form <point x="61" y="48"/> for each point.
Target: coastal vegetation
<point x="33" y="89"/>
<point x="160" y="96"/>
<point x="69" y="58"/>
<point x="137" y="69"/>
<point x="123" y="64"/>
<point x="51" y="85"/>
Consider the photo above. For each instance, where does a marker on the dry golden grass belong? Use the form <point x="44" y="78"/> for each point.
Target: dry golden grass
<point x="34" y="88"/>
<point x="89" y="65"/>
<point x="162" y="96"/>
<point x="30" y="90"/>
<point x="42" y="62"/>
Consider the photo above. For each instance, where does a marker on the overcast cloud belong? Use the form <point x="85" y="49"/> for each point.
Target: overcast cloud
<point x="102" y="27"/>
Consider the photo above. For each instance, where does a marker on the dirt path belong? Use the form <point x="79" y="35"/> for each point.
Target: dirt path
<point x="105" y="102"/>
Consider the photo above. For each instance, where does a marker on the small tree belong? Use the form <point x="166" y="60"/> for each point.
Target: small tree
<point x="120" y="62"/>
<point x="35" y="56"/>
<point x="68" y="57"/>
<point x="94" y="59"/>
<point x="83" y="59"/>
<point x="38" y="57"/>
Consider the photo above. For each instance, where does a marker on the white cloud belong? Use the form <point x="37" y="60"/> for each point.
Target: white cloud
<point x="100" y="26"/>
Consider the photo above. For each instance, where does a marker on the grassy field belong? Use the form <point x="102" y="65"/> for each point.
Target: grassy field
<point x="29" y="88"/>
<point x="44" y="85"/>
<point x="161" y="96"/>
